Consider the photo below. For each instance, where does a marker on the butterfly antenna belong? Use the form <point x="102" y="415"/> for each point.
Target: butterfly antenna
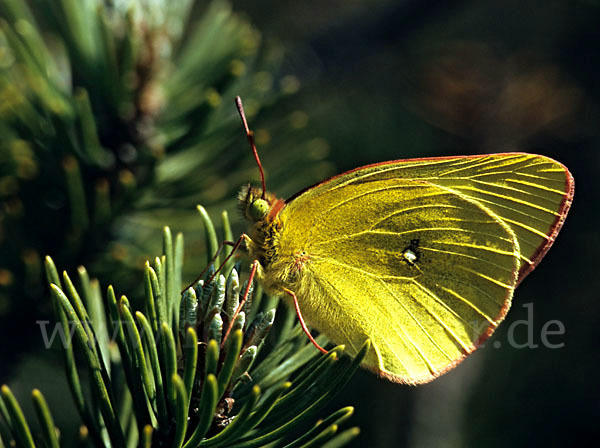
<point x="250" y="135"/>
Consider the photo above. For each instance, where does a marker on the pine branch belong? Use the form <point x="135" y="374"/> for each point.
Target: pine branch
<point x="183" y="384"/>
<point x="116" y="119"/>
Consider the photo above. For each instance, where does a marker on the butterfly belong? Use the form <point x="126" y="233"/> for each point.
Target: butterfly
<point x="419" y="256"/>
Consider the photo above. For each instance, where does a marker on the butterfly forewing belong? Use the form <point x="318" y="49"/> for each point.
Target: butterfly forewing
<point x="530" y="193"/>
<point x="422" y="270"/>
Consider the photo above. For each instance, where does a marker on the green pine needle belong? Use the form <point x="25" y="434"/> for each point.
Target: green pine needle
<point x="186" y="391"/>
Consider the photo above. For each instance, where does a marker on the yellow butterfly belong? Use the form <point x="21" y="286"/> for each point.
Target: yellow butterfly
<point x="420" y="256"/>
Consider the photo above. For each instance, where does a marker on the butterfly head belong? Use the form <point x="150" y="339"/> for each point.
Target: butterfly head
<point x="255" y="208"/>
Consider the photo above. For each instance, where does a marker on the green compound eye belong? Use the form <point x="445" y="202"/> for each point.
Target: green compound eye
<point x="258" y="209"/>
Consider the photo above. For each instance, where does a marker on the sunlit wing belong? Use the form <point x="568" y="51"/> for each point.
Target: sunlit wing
<point x="530" y="193"/>
<point x="422" y="270"/>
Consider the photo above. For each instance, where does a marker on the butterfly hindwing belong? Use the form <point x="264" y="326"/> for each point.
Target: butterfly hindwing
<point x="420" y="269"/>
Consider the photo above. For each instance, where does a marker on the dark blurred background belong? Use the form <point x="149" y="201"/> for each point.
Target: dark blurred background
<point x="396" y="79"/>
<point x="384" y="80"/>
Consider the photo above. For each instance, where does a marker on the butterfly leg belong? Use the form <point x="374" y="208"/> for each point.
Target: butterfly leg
<point x="301" y="319"/>
<point x="242" y="302"/>
<point x="235" y="245"/>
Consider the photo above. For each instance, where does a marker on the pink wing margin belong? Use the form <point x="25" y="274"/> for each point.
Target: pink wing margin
<point x="562" y="212"/>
